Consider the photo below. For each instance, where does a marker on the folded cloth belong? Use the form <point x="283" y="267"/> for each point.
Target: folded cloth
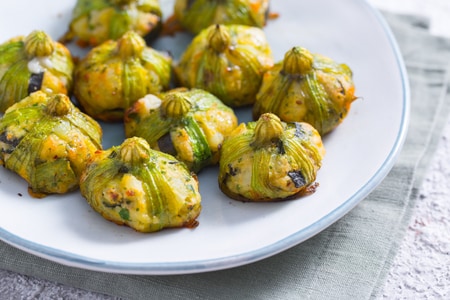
<point x="348" y="260"/>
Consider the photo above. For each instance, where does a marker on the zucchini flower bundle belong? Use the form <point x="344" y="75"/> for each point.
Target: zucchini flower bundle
<point x="148" y="190"/>
<point x="196" y="15"/>
<point x="115" y="74"/>
<point x="270" y="160"/>
<point x="228" y="61"/>
<point x="33" y="63"/>
<point x="96" y="21"/>
<point x="307" y="87"/>
<point x="189" y="124"/>
<point x="47" y="140"/>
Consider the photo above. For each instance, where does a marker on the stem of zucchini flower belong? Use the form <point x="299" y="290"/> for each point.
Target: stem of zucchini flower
<point x="268" y="129"/>
<point x="175" y="106"/>
<point x="219" y="38"/>
<point x="38" y="44"/>
<point x="134" y="150"/>
<point x="130" y="44"/>
<point x="59" y="105"/>
<point x="297" y="61"/>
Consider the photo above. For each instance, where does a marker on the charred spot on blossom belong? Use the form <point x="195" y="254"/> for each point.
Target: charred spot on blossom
<point x="297" y="178"/>
<point x="112" y="155"/>
<point x="156" y="29"/>
<point x="189" y="3"/>
<point x="165" y="144"/>
<point x="124" y="169"/>
<point x="14" y="142"/>
<point x="35" y="82"/>
<point x="232" y="171"/>
<point x="280" y="147"/>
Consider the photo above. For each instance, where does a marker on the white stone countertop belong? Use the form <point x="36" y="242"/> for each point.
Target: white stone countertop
<point x="421" y="269"/>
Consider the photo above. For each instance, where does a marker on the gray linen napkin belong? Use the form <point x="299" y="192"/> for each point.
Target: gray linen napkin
<point x="351" y="258"/>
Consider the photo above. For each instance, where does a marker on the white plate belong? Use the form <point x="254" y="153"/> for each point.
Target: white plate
<point x="360" y="153"/>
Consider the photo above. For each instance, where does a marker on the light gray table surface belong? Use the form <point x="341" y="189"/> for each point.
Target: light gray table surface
<point x="421" y="269"/>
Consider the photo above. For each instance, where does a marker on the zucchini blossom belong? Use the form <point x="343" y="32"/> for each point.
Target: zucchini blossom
<point x="196" y="15"/>
<point x="47" y="141"/>
<point x="33" y="63"/>
<point x="144" y="189"/>
<point x="307" y="87"/>
<point x="96" y="21"/>
<point x="189" y="124"/>
<point x="227" y="61"/>
<point x="270" y="160"/>
<point x="115" y="74"/>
